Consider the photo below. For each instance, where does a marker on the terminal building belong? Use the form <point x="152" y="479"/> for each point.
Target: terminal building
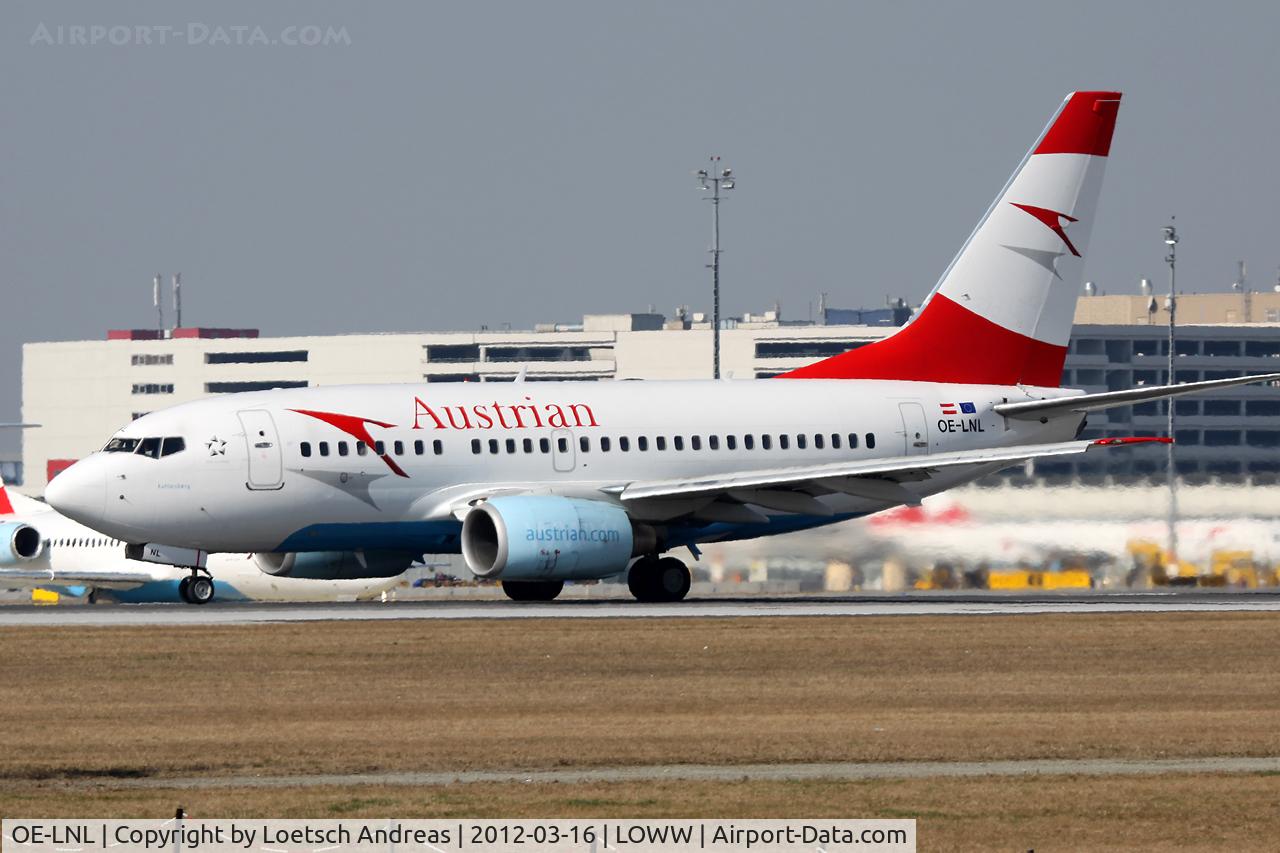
<point x="83" y="391"/>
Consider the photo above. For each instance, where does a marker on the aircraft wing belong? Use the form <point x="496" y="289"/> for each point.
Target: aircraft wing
<point x="86" y="577"/>
<point x="1081" y="403"/>
<point x="876" y="479"/>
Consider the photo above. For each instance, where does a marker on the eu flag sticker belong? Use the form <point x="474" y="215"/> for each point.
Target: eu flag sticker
<point x="968" y="409"/>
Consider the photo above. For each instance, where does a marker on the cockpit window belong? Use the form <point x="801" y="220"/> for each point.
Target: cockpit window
<point x="173" y="445"/>
<point x="121" y="445"/>
<point x="149" y="447"/>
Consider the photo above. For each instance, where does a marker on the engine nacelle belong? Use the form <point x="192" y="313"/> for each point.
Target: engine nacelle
<point x="19" y="542"/>
<point x="532" y="537"/>
<point x="333" y="565"/>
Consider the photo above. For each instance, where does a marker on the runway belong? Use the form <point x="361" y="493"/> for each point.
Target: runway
<point x="932" y="604"/>
<point x="724" y="773"/>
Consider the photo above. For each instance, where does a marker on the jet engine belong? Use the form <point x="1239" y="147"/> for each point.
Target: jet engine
<point x="19" y="543"/>
<point x="544" y="537"/>
<point x="334" y="565"/>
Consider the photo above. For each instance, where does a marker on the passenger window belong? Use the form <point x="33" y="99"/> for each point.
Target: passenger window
<point x="871" y="441"/>
<point x="511" y="445"/>
<point x="624" y="444"/>
<point x="475" y="445"/>
<point x="713" y="442"/>
<point x="361" y="448"/>
<point x="305" y="447"/>
<point x="562" y="444"/>
<point x="584" y="444"/>
<point x="544" y="445"/>
<point x="173" y="445"/>
<point x="766" y="442"/>
<point x="528" y="445"/>
<point x="695" y="442"/>
<point x="853" y="441"/>
<point x="642" y="443"/>
<point x="343" y="450"/>
<point x="399" y="448"/>
<point x="419" y="448"/>
<point x="604" y="444"/>
<point x="835" y="441"/>
<point x="800" y="442"/>
<point x="784" y="441"/>
<point x="661" y="442"/>
<point x="749" y="442"/>
<point x="380" y="448"/>
<point x="149" y="447"/>
<point x="817" y="442"/>
<point x="493" y="445"/>
<point x="679" y="442"/>
<point x="437" y="447"/>
<point x="324" y="448"/>
<point x="731" y="442"/>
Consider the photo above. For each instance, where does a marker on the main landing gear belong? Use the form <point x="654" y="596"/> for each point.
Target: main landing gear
<point x="197" y="589"/>
<point x="659" y="579"/>
<point x="532" y="590"/>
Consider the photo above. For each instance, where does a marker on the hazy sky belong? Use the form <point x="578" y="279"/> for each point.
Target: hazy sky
<point x="450" y="165"/>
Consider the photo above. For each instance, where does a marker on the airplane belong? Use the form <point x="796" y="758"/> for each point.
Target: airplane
<point x="41" y="548"/>
<point x="538" y="484"/>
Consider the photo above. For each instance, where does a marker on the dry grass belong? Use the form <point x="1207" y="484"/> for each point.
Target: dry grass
<point x="1175" y="812"/>
<point x="437" y="695"/>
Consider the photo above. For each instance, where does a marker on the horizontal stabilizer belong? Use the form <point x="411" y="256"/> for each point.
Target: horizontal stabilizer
<point x="1081" y="403"/>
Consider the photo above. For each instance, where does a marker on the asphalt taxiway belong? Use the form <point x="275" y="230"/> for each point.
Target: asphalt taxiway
<point x="933" y="604"/>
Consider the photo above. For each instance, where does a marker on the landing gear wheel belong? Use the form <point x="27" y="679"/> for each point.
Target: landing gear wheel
<point x="184" y="590"/>
<point x="532" y="590"/>
<point x="659" y="580"/>
<point x="200" y="590"/>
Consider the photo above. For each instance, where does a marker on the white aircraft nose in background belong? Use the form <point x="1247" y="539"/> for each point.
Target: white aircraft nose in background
<point x="80" y="492"/>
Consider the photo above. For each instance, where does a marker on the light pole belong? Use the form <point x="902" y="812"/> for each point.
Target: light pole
<point x="1171" y="240"/>
<point x="715" y="179"/>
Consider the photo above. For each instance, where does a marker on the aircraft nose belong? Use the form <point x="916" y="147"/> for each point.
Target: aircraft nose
<point x="80" y="492"/>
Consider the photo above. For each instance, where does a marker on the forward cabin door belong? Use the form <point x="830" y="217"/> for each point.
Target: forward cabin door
<point x="266" y="462"/>
<point x="915" y="429"/>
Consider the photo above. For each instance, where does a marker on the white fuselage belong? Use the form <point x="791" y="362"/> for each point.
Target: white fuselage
<point x="280" y="470"/>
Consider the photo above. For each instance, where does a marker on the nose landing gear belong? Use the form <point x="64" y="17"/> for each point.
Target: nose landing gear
<point x="654" y="579"/>
<point x="197" y="589"/>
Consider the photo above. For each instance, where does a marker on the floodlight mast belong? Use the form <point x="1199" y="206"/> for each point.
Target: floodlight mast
<point x="1171" y="240"/>
<point x="715" y="179"/>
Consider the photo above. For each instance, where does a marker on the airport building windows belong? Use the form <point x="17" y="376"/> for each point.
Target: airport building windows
<point x="254" y="357"/>
<point x="537" y="353"/>
<point x="805" y="349"/>
<point x="1222" y="408"/>
<point x="453" y="353"/>
<point x="1262" y="349"/>
<point x="305" y="447"/>
<point x="238" y="387"/>
<point x="1262" y="408"/>
<point x="140" y="359"/>
<point x="1221" y="437"/>
<point x="1262" y="438"/>
<point x="152" y="388"/>
<point x="1188" y="437"/>
<point x="1222" y="348"/>
<point x="452" y="377"/>
<point x="1186" y="407"/>
<point x="324" y="448"/>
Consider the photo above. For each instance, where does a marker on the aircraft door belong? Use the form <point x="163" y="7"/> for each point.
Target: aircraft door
<point x="266" y="462"/>
<point x="563" y="456"/>
<point x="915" y="429"/>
